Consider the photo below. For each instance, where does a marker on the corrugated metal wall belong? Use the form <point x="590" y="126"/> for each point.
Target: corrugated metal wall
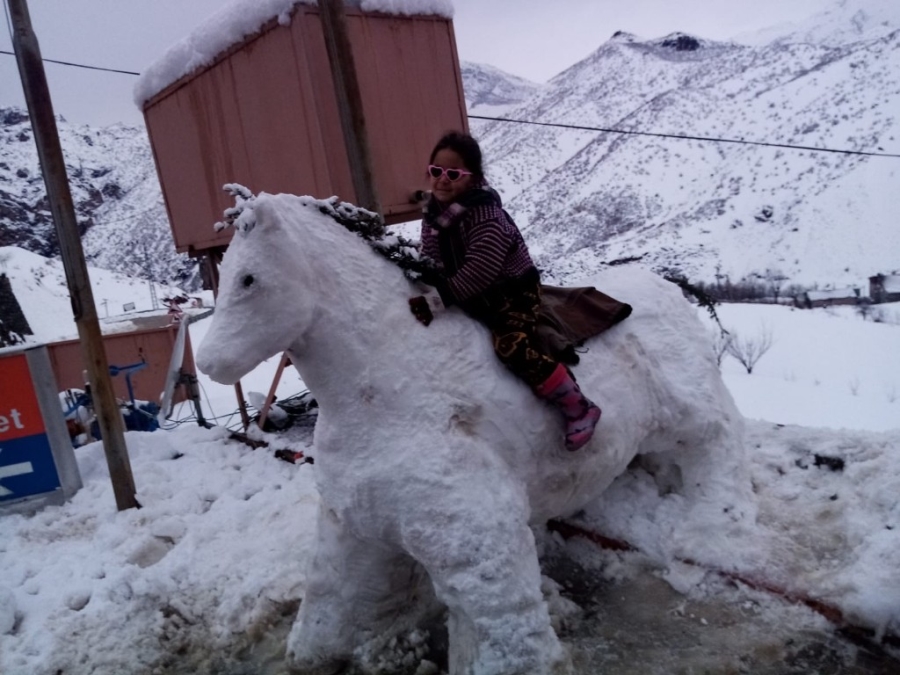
<point x="265" y="115"/>
<point x="124" y="349"/>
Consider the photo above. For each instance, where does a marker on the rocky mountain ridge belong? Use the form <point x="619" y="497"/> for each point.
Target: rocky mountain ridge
<point x="115" y="190"/>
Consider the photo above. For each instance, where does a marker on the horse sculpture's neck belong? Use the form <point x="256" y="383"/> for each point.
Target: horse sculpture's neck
<point x="361" y="337"/>
<point x="355" y="325"/>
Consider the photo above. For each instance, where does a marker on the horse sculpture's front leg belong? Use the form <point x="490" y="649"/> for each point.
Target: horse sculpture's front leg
<point x="481" y="557"/>
<point x="355" y="590"/>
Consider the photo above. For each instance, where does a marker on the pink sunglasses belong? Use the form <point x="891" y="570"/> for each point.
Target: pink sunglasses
<point x="452" y="174"/>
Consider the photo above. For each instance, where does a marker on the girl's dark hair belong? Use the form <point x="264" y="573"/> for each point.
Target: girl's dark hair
<point x="463" y="145"/>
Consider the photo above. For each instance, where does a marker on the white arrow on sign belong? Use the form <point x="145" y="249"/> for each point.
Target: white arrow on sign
<point x="13" y="470"/>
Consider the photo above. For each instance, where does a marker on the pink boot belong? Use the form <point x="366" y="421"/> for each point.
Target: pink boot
<point x="580" y="413"/>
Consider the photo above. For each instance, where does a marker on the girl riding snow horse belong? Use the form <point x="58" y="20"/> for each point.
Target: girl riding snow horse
<point x="483" y="266"/>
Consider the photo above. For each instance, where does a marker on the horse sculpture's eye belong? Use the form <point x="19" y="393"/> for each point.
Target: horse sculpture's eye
<point x="248" y="281"/>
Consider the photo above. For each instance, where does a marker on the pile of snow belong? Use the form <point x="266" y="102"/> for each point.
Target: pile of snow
<point x="214" y="553"/>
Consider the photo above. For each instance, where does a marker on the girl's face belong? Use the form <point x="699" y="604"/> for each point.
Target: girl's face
<point x="444" y="189"/>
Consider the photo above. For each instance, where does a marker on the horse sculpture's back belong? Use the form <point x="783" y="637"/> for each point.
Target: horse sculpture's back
<point x="431" y="460"/>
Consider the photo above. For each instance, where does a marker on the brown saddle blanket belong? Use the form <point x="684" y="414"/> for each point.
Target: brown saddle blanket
<point x="569" y="316"/>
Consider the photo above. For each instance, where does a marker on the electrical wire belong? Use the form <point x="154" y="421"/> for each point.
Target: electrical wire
<point x="577" y="127"/>
<point x="206" y="396"/>
<point x="78" y="65"/>
<point x="684" y="137"/>
<point x="8" y="22"/>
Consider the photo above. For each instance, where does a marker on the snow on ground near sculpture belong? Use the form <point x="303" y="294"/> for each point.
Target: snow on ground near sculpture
<point x="197" y="577"/>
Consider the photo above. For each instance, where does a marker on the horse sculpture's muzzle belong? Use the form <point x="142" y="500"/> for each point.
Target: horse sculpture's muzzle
<point x="218" y="365"/>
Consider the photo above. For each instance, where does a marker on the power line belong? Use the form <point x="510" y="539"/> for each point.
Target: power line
<point x="8" y="21"/>
<point x="683" y="137"/>
<point x="578" y="127"/>
<point x="62" y="63"/>
<point x="79" y="65"/>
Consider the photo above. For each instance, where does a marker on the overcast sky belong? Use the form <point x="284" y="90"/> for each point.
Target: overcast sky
<point x="535" y="39"/>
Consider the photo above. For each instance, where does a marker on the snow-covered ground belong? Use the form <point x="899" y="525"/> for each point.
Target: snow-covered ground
<point x="206" y="577"/>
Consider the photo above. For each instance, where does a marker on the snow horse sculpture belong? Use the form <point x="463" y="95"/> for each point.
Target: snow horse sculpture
<point x="432" y="461"/>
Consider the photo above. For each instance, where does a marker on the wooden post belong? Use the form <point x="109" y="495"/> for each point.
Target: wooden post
<point x="346" y="87"/>
<point x="270" y="398"/>
<point x="46" y="136"/>
<point x="242" y="405"/>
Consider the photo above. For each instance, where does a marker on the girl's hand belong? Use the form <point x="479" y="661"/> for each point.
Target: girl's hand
<point x="420" y="309"/>
<point x="424" y="306"/>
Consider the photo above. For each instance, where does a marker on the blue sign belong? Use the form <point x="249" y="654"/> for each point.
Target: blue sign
<point x="37" y="465"/>
<point x="27" y="468"/>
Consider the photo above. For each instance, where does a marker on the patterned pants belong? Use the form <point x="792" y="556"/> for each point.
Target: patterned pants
<point x="511" y="316"/>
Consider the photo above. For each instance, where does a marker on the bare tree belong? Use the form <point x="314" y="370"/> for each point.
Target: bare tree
<point x="864" y="308"/>
<point x="775" y="280"/>
<point x="720" y="340"/>
<point x="748" y="351"/>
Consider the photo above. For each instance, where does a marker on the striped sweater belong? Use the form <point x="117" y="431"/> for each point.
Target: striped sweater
<point x="476" y="246"/>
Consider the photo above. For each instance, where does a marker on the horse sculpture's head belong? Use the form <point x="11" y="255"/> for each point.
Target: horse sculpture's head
<point x="261" y="309"/>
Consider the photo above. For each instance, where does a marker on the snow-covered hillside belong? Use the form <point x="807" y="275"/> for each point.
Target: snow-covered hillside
<point x="492" y="92"/>
<point x="846" y="21"/>
<point x="39" y="285"/>
<point x="115" y="191"/>
<point x="818" y="218"/>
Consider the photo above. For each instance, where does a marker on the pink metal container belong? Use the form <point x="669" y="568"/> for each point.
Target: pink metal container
<point x="153" y="344"/>
<point x="265" y="115"/>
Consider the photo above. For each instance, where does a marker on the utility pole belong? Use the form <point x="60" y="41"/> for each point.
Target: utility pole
<point x="346" y="87"/>
<point x="149" y="268"/>
<point x="46" y="136"/>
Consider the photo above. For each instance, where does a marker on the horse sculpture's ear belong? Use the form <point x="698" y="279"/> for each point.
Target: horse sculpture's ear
<point x="240" y="215"/>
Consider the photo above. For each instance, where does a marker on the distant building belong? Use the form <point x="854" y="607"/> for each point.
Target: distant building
<point x="837" y="296"/>
<point x="884" y="288"/>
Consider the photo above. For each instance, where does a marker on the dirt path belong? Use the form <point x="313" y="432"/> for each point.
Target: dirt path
<point x="636" y="623"/>
<point x="642" y="626"/>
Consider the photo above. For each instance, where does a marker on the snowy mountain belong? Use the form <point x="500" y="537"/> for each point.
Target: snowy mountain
<point x="492" y="92"/>
<point x="716" y="208"/>
<point x="708" y="209"/>
<point x="846" y="21"/>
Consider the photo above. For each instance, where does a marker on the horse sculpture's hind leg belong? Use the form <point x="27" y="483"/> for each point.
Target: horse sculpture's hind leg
<point x="355" y="591"/>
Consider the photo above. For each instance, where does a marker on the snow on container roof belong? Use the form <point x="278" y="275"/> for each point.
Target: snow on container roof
<point x="833" y="294"/>
<point x="242" y="18"/>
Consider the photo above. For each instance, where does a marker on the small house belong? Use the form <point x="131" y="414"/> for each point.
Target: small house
<point x="884" y="288"/>
<point x="828" y="298"/>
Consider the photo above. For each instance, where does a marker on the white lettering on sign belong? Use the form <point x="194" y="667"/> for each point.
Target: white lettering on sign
<point x="12" y="419"/>
<point x="13" y="470"/>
